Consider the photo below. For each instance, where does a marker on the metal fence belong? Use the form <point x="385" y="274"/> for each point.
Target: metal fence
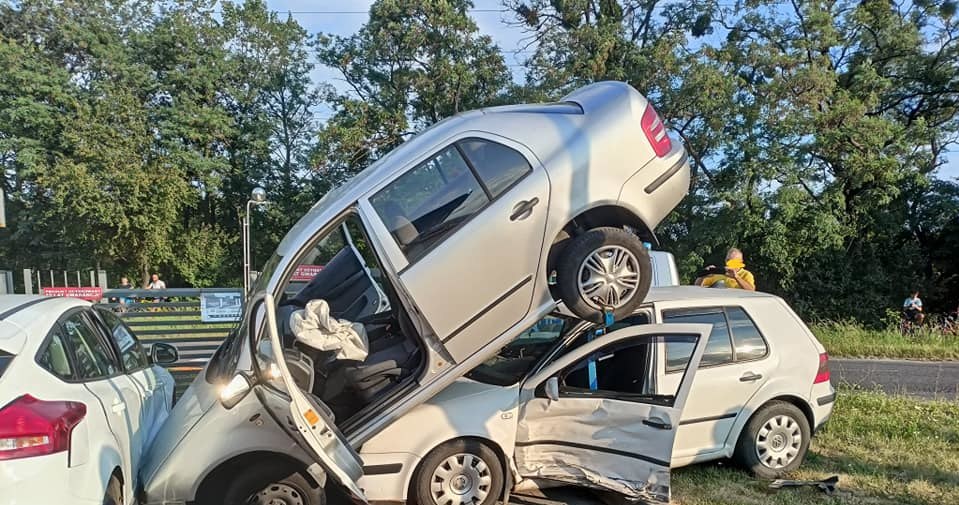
<point x="174" y="316"/>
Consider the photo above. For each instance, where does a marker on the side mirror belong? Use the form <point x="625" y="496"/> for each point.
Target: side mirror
<point x="552" y="388"/>
<point x="235" y="390"/>
<point x="163" y="354"/>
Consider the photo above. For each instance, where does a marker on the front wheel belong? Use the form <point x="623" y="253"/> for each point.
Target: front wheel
<point x="459" y="472"/>
<point x="604" y="267"/>
<point x="774" y="441"/>
<point x="271" y="485"/>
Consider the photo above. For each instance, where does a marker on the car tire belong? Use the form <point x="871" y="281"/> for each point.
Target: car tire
<point x="774" y="441"/>
<point x="459" y="472"/>
<point x="114" y="494"/>
<point x="597" y="252"/>
<point x="271" y="484"/>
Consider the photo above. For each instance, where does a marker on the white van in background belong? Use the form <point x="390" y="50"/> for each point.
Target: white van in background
<point x="664" y="269"/>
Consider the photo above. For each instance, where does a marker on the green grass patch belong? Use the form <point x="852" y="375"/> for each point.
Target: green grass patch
<point x="853" y="341"/>
<point x="886" y="450"/>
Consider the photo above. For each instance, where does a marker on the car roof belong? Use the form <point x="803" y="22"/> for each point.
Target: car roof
<point x="701" y="294"/>
<point x="32" y="315"/>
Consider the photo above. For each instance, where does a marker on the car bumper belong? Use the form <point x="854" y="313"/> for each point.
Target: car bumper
<point x="823" y="400"/>
<point x="49" y="480"/>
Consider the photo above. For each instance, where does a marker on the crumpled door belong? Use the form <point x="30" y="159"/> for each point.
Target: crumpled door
<point x="599" y="416"/>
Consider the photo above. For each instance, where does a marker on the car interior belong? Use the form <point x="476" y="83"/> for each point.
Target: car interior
<point x="351" y="283"/>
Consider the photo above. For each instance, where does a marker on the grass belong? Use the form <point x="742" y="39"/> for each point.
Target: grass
<point x="886" y="450"/>
<point x="853" y="341"/>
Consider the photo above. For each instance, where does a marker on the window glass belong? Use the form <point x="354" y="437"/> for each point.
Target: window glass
<point x="718" y="348"/>
<point x="498" y="166"/>
<point x="5" y="359"/>
<point x="515" y="360"/>
<point x="93" y="360"/>
<point x="132" y="354"/>
<point x="424" y="205"/>
<point x="54" y="357"/>
<point x="627" y="371"/>
<point x="749" y="342"/>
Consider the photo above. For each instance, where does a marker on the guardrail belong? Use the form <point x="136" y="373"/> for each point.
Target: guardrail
<point x="174" y="316"/>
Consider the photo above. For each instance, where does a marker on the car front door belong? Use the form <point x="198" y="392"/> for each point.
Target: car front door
<point x="136" y="364"/>
<point x="303" y="416"/>
<point x="465" y="232"/>
<point x="596" y="416"/>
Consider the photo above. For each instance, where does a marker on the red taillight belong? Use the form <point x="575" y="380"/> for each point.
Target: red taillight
<point x="31" y="427"/>
<point x="822" y="375"/>
<point x="655" y="131"/>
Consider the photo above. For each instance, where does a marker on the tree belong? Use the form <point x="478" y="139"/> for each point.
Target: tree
<point x="412" y="64"/>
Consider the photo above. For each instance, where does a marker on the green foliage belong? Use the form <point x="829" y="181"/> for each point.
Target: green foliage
<point x="851" y="340"/>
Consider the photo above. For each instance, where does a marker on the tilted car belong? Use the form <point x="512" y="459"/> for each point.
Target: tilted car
<point x="444" y="250"/>
<point x="80" y="401"/>
<point x="528" y="417"/>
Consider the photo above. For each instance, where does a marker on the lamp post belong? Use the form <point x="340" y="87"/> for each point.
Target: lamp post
<point x="257" y="197"/>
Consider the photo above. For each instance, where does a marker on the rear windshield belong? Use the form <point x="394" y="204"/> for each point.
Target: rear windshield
<point x="5" y="359"/>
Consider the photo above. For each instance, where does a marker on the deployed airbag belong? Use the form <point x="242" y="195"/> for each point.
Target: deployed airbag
<point x="313" y="326"/>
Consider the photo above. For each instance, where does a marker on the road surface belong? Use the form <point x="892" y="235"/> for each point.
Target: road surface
<point x="928" y="380"/>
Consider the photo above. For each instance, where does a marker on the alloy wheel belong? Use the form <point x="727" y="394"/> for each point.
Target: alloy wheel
<point x="609" y="277"/>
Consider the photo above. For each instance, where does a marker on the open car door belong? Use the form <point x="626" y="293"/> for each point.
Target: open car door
<point x="600" y="416"/>
<point x="304" y="417"/>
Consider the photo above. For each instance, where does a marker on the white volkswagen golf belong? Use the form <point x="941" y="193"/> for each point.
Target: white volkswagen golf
<point x="549" y="409"/>
<point x="80" y="401"/>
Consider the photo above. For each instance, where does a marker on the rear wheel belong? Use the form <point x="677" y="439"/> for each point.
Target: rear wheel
<point x="460" y="472"/>
<point x="270" y="485"/>
<point x="774" y="441"/>
<point x="604" y="267"/>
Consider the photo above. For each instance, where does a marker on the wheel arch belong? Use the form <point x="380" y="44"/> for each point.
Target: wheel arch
<point x="492" y="444"/>
<point x="218" y="476"/>
<point x="794" y="400"/>
<point x="606" y="214"/>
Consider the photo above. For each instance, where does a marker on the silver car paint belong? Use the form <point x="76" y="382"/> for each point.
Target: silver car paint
<point x="595" y="159"/>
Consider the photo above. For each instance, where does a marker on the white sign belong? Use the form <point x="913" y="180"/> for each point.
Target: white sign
<point x="220" y="307"/>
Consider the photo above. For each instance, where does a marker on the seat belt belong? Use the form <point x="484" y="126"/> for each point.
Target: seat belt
<point x="591" y="362"/>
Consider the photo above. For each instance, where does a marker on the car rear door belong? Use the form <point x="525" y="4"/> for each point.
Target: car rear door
<point x="597" y="416"/>
<point x="304" y="417"/>
<point x="464" y="229"/>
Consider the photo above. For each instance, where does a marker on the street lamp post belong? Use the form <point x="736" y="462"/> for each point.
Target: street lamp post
<point x="257" y="197"/>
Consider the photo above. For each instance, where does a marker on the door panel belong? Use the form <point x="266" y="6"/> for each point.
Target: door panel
<point x="479" y="281"/>
<point x="614" y="425"/>
<point x="307" y="420"/>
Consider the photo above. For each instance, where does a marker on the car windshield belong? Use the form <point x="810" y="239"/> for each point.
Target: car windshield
<point x="223" y="363"/>
<point x="515" y="360"/>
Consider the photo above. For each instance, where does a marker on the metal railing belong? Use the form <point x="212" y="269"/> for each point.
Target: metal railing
<point x="173" y="316"/>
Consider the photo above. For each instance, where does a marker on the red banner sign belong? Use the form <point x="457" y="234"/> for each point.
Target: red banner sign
<point x="92" y="294"/>
<point x="305" y="273"/>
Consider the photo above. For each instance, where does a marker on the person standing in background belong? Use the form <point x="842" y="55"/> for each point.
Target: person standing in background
<point x="733" y="276"/>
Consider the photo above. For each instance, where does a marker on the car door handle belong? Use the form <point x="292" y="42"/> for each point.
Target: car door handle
<point x="658" y="424"/>
<point x="523" y="209"/>
<point x="118" y="407"/>
<point x="750" y="377"/>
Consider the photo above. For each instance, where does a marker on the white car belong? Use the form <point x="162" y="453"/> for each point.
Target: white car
<point x="80" y="401"/>
<point x="533" y="416"/>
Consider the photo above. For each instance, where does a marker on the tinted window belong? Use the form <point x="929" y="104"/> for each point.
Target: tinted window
<point x="5" y="359"/>
<point x="424" y="205"/>
<point x="132" y="354"/>
<point x="748" y="341"/>
<point x="54" y="357"/>
<point x="626" y="370"/>
<point x="498" y="166"/>
<point x="515" y="360"/>
<point x="718" y="348"/>
<point x="93" y="360"/>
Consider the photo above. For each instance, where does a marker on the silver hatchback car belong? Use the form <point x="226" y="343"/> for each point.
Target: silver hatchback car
<point x="431" y="260"/>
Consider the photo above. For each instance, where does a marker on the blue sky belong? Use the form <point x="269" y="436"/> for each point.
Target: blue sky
<point x="344" y="17"/>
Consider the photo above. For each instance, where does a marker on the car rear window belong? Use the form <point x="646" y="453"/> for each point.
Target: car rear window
<point x="5" y="359"/>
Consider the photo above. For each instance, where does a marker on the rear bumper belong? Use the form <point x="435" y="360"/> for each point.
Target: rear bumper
<point x="823" y="400"/>
<point x="49" y="480"/>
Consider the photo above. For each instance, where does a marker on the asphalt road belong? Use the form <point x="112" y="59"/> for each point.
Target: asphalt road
<point x="928" y="380"/>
